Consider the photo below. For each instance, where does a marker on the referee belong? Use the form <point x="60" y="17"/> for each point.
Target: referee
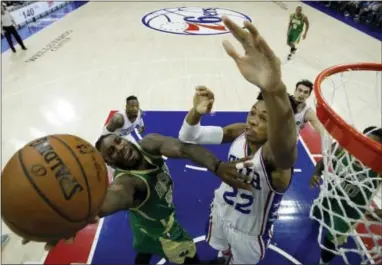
<point x="8" y="25"/>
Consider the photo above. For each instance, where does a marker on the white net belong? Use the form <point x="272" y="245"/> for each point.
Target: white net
<point x="344" y="207"/>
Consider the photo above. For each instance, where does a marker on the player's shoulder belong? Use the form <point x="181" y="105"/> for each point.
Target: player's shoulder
<point x="149" y="144"/>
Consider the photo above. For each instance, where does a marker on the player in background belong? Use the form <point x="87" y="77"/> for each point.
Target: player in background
<point x="124" y="122"/>
<point x="354" y="197"/>
<point x="143" y="184"/>
<point x="241" y="221"/>
<point x="305" y="113"/>
<point x="297" y="21"/>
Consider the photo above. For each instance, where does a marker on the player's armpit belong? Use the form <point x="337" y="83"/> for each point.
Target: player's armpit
<point x="119" y="196"/>
<point x="115" y="123"/>
<point x="281" y="179"/>
<point x="232" y="131"/>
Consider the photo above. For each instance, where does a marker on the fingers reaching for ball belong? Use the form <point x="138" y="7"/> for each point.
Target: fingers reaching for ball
<point x="69" y="240"/>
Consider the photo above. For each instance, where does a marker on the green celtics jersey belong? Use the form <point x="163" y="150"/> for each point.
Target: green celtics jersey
<point x="155" y="214"/>
<point x="356" y="182"/>
<point x="297" y="23"/>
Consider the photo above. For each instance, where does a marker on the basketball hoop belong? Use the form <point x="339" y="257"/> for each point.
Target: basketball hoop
<point x="351" y="160"/>
<point x="366" y="150"/>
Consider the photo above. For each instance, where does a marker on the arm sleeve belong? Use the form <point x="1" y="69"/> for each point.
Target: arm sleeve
<point x="197" y="134"/>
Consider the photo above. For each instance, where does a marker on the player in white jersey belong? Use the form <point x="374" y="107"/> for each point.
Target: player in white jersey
<point x="304" y="112"/>
<point x="124" y="122"/>
<point x="241" y="221"/>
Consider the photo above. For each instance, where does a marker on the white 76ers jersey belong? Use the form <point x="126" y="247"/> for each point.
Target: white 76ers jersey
<point x="129" y="126"/>
<point x="251" y="212"/>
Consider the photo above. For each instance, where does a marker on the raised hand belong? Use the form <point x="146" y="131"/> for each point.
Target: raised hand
<point x="259" y="65"/>
<point x="53" y="243"/>
<point x="203" y="100"/>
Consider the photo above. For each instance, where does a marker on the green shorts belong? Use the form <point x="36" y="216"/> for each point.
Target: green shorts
<point x="174" y="245"/>
<point x="294" y="36"/>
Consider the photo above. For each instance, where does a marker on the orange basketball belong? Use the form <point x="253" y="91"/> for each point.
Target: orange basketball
<point x="52" y="187"/>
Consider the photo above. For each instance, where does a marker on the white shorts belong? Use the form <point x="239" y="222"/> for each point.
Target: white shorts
<point x="245" y="249"/>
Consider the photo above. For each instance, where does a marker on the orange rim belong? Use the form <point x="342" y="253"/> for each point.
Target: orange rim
<point x="366" y="150"/>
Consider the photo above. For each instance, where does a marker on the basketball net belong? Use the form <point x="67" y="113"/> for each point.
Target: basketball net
<point x="348" y="101"/>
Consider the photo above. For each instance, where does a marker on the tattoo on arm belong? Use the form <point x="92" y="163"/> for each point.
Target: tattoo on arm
<point x="115" y="123"/>
<point x="171" y="147"/>
<point x="119" y="196"/>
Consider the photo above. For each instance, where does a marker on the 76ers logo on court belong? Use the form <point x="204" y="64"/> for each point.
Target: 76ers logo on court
<point x="192" y="20"/>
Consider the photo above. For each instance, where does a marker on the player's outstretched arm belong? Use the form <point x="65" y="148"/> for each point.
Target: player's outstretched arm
<point x="316" y="178"/>
<point x="311" y="117"/>
<point x="261" y="67"/>
<point x="320" y="166"/>
<point x="119" y="196"/>
<point x="157" y="144"/>
<point x="191" y="130"/>
<point x="115" y="123"/>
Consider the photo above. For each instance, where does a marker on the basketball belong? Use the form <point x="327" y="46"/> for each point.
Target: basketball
<point x="52" y="187"/>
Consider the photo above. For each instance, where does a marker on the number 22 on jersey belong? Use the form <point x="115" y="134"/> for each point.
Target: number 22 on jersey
<point x="230" y="198"/>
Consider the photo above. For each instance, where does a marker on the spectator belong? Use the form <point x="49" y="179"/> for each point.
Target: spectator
<point x="368" y="12"/>
<point x="8" y="26"/>
<point x="350" y="8"/>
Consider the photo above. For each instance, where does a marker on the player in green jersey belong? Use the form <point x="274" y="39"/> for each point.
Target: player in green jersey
<point x="351" y="205"/>
<point x="295" y="28"/>
<point x="142" y="184"/>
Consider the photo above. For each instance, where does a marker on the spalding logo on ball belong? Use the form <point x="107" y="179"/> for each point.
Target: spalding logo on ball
<point x="53" y="187"/>
<point x="192" y="20"/>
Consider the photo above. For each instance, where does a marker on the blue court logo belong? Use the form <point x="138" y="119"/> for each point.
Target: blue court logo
<point x="192" y="20"/>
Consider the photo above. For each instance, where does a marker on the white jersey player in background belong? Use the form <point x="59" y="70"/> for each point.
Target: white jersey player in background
<point x="304" y="112"/>
<point x="241" y="221"/>
<point x="124" y="122"/>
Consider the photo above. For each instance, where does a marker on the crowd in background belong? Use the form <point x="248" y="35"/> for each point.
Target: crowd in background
<point x="365" y="12"/>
